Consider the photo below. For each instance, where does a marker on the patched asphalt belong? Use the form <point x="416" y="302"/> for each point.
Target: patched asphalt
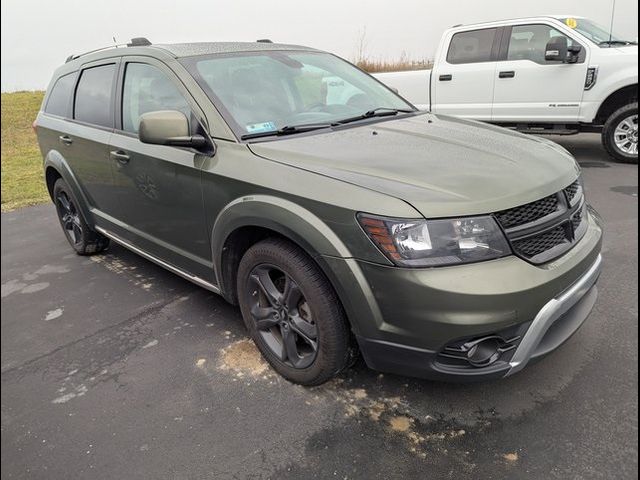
<point x="115" y="368"/>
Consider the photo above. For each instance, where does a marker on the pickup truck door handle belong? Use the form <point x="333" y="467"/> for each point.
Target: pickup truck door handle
<point x="445" y="78"/>
<point x="507" y="74"/>
<point x="65" y="139"/>
<point x="120" y="156"/>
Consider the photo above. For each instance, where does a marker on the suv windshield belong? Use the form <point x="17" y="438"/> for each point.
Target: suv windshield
<point x="594" y="32"/>
<point x="279" y="91"/>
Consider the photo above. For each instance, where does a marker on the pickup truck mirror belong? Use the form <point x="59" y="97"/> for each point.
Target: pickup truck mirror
<point x="168" y="127"/>
<point x="574" y="53"/>
<point x="557" y="49"/>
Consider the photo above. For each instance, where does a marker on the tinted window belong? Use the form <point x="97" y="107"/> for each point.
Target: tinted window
<point x="472" y="47"/>
<point x="529" y="42"/>
<point x="93" y="96"/>
<point x="58" y="102"/>
<point x="147" y="89"/>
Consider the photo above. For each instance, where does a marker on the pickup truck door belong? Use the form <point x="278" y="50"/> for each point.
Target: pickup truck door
<point x="529" y="88"/>
<point x="463" y="77"/>
<point x="158" y="187"/>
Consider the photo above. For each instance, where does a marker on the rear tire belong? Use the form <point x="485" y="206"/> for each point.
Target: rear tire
<point x="292" y="313"/>
<point x="83" y="239"/>
<point x="620" y="134"/>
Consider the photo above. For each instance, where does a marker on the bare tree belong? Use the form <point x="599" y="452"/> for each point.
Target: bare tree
<point x="361" y="46"/>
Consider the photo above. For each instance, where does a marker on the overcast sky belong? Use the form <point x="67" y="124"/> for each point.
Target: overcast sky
<point x="38" y="35"/>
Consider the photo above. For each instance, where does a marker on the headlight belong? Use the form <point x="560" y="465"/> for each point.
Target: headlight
<point x="430" y="243"/>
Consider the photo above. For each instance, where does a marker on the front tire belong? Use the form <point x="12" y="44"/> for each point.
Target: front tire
<point x="83" y="239"/>
<point x="620" y="134"/>
<point x="292" y="313"/>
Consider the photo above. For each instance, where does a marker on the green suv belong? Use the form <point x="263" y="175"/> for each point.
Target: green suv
<point x="337" y="216"/>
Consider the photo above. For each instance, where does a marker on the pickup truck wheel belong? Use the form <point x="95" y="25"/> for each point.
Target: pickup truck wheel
<point x="620" y="134"/>
<point x="83" y="239"/>
<point x="292" y="313"/>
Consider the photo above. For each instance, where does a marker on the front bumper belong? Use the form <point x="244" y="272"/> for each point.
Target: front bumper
<point x="404" y="318"/>
<point x="556" y="322"/>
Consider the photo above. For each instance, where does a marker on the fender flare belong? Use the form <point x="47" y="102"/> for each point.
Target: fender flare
<point x="54" y="159"/>
<point x="622" y="79"/>
<point x="289" y="219"/>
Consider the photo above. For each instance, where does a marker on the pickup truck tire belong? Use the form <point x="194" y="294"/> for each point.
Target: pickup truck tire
<point x="83" y="239"/>
<point x="620" y="134"/>
<point x="288" y="306"/>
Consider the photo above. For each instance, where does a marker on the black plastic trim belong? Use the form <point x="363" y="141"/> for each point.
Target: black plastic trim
<point x="410" y="361"/>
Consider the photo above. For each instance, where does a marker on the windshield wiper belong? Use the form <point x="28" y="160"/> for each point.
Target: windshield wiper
<point x="376" y="112"/>
<point x="617" y="42"/>
<point x="291" y="129"/>
<point x="288" y="130"/>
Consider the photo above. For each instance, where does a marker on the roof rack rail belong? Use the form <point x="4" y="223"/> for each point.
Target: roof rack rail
<point x="264" y="40"/>
<point x="135" y="42"/>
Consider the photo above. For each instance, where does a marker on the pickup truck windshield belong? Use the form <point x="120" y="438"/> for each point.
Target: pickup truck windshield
<point x="262" y="92"/>
<point x="594" y="32"/>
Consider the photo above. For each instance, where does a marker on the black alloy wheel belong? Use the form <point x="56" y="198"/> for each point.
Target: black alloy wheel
<point x="292" y="313"/>
<point x="282" y="316"/>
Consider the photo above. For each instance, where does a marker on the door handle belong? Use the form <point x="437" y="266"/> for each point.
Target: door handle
<point x="507" y="74"/>
<point x="445" y="78"/>
<point x="120" y="156"/>
<point x="65" y="139"/>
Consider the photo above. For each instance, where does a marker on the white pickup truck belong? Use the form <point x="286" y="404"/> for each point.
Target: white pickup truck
<point x="549" y="74"/>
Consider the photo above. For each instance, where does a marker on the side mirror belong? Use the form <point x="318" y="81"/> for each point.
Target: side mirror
<point x="168" y="127"/>
<point x="557" y="49"/>
<point x="574" y="53"/>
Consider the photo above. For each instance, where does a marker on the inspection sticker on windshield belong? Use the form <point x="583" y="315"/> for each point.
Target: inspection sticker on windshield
<point x="261" y="127"/>
<point x="571" y="22"/>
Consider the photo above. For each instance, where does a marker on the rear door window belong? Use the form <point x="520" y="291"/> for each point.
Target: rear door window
<point x="93" y="102"/>
<point x="60" y="96"/>
<point x="472" y="47"/>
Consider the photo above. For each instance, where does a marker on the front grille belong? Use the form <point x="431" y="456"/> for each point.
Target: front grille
<point x="576" y="220"/>
<point x="542" y="230"/>
<point x="572" y="190"/>
<point x="515" y="217"/>
<point x="537" y="244"/>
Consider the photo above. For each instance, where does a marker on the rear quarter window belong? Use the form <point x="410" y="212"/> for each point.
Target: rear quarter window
<point x="472" y="47"/>
<point x="60" y="96"/>
<point x="94" y="94"/>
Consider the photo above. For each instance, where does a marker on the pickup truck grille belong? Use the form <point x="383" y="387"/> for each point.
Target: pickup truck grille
<point x="545" y="229"/>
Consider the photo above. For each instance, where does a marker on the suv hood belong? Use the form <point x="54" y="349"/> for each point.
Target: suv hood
<point x="441" y="165"/>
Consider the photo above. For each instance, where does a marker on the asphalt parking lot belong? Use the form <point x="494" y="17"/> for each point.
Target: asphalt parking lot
<point x="115" y="368"/>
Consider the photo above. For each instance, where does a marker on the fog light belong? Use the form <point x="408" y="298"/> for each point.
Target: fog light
<point x="484" y="352"/>
<point x="479" y="352"/>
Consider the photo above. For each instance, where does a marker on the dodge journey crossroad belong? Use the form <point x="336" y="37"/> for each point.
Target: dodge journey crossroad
<point x="340" y="219"/>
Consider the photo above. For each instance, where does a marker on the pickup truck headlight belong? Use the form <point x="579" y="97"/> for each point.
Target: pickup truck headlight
<point x="432" y="243"/>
